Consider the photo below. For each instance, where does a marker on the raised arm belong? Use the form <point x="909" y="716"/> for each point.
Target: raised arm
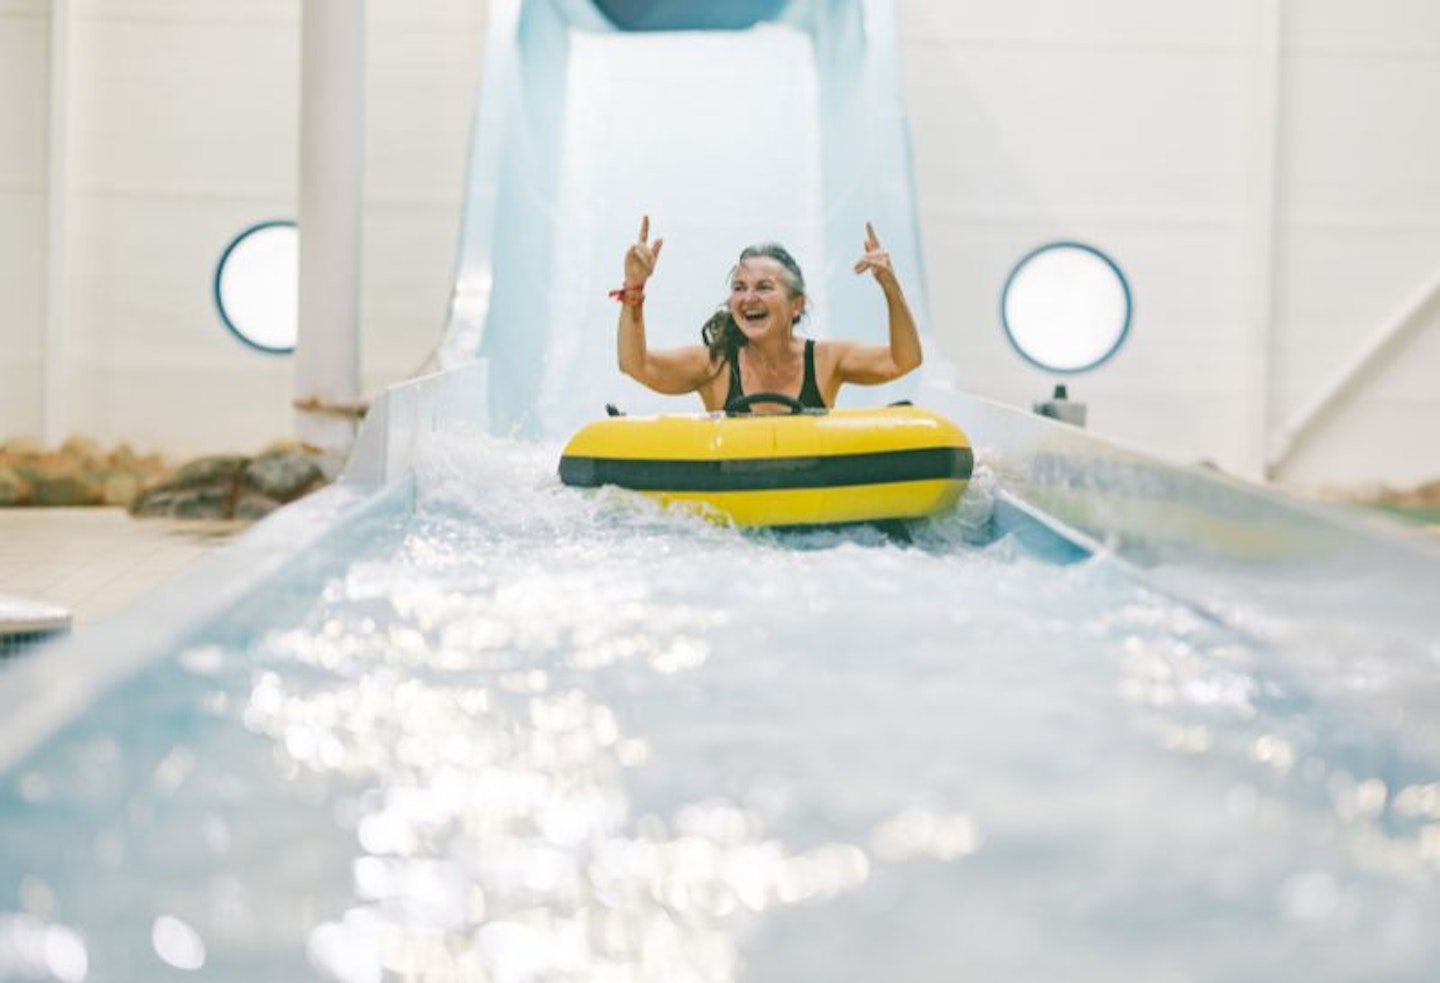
<point x="671" y="371"/>
<point x="870" y="364"/>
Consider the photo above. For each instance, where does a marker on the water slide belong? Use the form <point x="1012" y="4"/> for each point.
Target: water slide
<point x="1115" y="719"/>
<point x="790" y="130"/>
<point x="785" y="123"/>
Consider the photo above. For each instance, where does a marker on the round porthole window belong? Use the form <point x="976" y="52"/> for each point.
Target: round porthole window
<point x="1066" y="307"/>
<point x="257" y="287"/>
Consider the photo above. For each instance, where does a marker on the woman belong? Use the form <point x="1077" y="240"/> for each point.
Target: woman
<point x="750" y="344"/>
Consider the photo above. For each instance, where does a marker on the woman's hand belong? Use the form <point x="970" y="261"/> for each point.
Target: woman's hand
<point x="876" y="259"/>
<point x="869" y="364"/>
<point x="640" y="258"/>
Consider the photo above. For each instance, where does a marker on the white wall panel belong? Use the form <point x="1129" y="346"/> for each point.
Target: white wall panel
<point x="1383" y="439"/>
<point x="449" y="17"/>
<point x="143" y="278"/>
<point x="185" y="108"/>
<point x="144" y="317"/>
<point x="249" y="12"/>
<point x="24" y="82"/>
<point x="1133" y="126"/>
<point x="185" y="121"/>
<point x="1128" y="124"/>
<point x="186" y="133"/>
<point x="1114" y="125"/>
<point x="409" y="255"/>
<point x="1074" y="23"/>
<point x="1360" y="236"/>
<point x="1386" y="27"/>
<point x="198" y="409"/>
<point x="1360" y="140"/>
<point x="1341" y="286"/>
<point x="420" y="95"/>
<point x="1145" y="134"/>
<point x="422" y="74"/>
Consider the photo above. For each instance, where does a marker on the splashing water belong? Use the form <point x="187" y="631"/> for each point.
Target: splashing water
<point x="529" y="733"/>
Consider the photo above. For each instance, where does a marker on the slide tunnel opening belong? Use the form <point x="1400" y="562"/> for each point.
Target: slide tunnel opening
<point x="690" y="15"/>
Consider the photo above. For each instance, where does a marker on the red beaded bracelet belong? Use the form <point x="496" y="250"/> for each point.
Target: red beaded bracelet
<point x="630" y="296"/>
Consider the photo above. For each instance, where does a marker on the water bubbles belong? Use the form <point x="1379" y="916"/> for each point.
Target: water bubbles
<point x="65" y="955"/>
<point x="1370" y="797"/>
<point x="342" y="953"/>
<point x="31" y="948"/>
<point x="516" y="952"/>
<point x="556" y="735"/>
<point x="920" y="833"/>
<point x="718" y="821"/>
<point x="387" y="833"/>
<point x="1419" y="801"/>
<point x="1194" y="739"/>
<point x="174" y="769"/>
<point x="1275" y="751"/>
<point x="177" y="944"/>
<point x="1357" y="801"/>
<point x="205" y="660"/>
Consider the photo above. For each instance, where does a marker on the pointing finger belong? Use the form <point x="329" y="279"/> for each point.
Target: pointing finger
<point x="871" y="239"/>
<point x="644" y="227"/>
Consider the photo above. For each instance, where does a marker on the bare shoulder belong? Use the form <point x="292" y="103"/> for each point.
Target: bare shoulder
<point x="832" y="352"/>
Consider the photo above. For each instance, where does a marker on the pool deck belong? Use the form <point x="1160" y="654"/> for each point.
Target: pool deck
<point x="72" y="567"/>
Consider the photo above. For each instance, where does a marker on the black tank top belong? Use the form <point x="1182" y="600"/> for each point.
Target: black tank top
<point x="809" y="390"/>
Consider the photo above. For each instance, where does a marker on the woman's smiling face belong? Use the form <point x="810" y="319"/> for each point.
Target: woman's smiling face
<point x="761" y="300"/>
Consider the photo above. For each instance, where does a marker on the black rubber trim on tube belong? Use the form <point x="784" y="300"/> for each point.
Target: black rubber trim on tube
<point x="770" y="473"/>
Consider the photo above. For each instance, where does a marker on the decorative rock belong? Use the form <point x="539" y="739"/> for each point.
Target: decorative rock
<point x="226" y="486"/>
<point x="17" y="448"/>
<point x="122" y="487"/>
<point x="152" y="504"/>
<point x="83" y="451"/>
<point x="207" y="471"/>
<point x="124" y="456"/>
<point x="14" y="489"/>
<point x="250" y="507"/>
<point x="65" y="490"/>
<point x="282" y="475"/>
<point x="202" y="503"/>
<point x="183" y="503"/>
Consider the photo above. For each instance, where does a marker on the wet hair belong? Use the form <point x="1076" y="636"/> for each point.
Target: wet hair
<point x="781" y="255"/>
<point x="722" y="336"/>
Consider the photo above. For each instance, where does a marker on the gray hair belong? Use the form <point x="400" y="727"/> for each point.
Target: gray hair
<point x="781" y="255"/>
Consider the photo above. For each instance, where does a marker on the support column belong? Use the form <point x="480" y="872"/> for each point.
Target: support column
<point x="332" y="130"/>
<point x="1264" y="234"/>
<point x="55" y="389"/>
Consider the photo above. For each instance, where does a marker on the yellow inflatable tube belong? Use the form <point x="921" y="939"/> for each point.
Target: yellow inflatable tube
<point x="799" y="469"/>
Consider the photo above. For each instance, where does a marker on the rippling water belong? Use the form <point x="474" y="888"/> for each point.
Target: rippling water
<point x="533" y="734"/>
